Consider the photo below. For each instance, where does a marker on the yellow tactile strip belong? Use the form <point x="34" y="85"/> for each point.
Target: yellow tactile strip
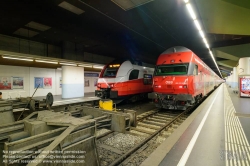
<point x="237" y="149"/>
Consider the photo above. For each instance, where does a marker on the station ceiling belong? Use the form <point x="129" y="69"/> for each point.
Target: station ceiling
<point x="140" y="29"/>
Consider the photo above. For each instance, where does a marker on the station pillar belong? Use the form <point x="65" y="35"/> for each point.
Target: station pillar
<point x="72" y="82"/>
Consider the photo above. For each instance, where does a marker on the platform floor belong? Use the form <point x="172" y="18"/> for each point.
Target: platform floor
<point x="212" y="136"/>
<point x="58" y="100"/>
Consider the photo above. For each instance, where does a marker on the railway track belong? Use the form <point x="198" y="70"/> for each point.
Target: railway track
<point x="134" y="146"/>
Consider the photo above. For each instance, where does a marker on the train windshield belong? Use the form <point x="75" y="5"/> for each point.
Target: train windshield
<point x="111" y="71"/>
<point x="173" y="69"/>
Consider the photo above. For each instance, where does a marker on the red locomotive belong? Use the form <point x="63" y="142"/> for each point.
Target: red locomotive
<point x="181" y="79"/>
<point x="124" y="79"/>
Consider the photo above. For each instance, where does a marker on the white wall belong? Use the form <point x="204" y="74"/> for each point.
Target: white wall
<point x="91" y="87"/>
<point x="57" y="81"/>
<point x="28" y="74"/>
<point x="42" y="72"/>
<point x="18" y="72"/>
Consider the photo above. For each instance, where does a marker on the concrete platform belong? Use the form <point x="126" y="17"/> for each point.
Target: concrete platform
<point x="212" y="135"/>
<point x="58" y="100"/>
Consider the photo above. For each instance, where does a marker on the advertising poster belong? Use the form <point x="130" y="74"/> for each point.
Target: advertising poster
<point x="38" y="82"/>
<point x="245" y="86"/>
<point x="17" y="82"/>
<point x="47" y="82"/>
<point x="86" y="83"/>
<point x="5" y="83"/>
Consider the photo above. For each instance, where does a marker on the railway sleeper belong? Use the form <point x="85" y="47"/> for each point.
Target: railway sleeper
<point x="149" y="126"/>
<point x="158" y="120"/>
<point x="154" y="123"/>
<point x="141" y="130"/>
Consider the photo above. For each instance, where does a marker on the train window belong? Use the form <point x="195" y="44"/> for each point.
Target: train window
<point x="173" y="69"/>
<point x="195" y="70"/>
<point x="133" y="74"/>
<point x="147" y="79"/>
<point x="110" y="72"/>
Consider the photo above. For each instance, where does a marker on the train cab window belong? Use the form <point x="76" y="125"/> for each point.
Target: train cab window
<point x="173" y="69"/>
<point x="195" y="70"/>
<point x="110" y="72"/>
<point x="134" y="74"/>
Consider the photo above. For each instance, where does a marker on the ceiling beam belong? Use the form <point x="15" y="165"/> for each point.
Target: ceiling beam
<point x="243" y="40"/>
<point x="227" y="63"/>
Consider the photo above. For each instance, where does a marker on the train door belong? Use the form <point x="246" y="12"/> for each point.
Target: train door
<point x="196" y="79"/>
<point x="205" y="84"/>
<point x="133" y="82"/>
<point x="201" y="82"/>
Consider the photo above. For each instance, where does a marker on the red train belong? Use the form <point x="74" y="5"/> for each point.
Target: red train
<point x="181" y="79"/>
<point x="124" y="79"/>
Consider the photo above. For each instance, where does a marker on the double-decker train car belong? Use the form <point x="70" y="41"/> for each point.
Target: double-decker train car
<point x="124" y="79"/>
<point x="181" y="79"/>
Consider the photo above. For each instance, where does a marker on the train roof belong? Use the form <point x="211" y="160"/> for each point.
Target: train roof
<point x="133" y="61"/>
<point x="176" y="49"/>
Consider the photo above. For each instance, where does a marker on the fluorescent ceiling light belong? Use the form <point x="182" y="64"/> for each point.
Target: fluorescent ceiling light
<point x="25" y="32"/>
<point x="85" y="65"/>
<point x="205" y="40"/>
<point x="211" y="53"/>
<point x="192" y="14"/>
<point x="67" y="64"/>
<point x="22" y="59"/>
<point x="197" y="24"/>
<point x="37" y="26"/>
<point x="207" y="45"/>
<point x="191" y="11"/>
<point x="202" y="34"/>
<point x="71" y="8"/>
<point x="44" y="61"/>
<point x="98" y="67"/>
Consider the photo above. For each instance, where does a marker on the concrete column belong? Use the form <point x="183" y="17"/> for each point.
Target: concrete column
<point x="244" y="66"/>
<point x="72" y="82"/>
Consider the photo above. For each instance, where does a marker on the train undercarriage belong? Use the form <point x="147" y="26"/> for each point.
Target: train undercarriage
<point x="107" y="93"/>
<point x="173" y="101"/>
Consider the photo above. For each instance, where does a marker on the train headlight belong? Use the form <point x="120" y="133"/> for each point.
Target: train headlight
<point x="111" y="85"/>
<point x="183" y="86"/>
<point x="98" y="85"/>
<point x="157" y="86"/>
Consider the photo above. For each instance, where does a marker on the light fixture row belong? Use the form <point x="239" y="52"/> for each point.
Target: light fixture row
<point x="198" y="26"/>
<point x="54" y="62"/>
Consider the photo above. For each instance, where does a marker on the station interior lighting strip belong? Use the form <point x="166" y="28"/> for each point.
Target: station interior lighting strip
<point x="16" y="58"/>
<point x="198" y="26"/>
<point x="85" y="65"/>
<point x="68" y="64"/>
<point x="45" y="61"/>
<point x="98" y="67"/>
<point x="52" y="61"/>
